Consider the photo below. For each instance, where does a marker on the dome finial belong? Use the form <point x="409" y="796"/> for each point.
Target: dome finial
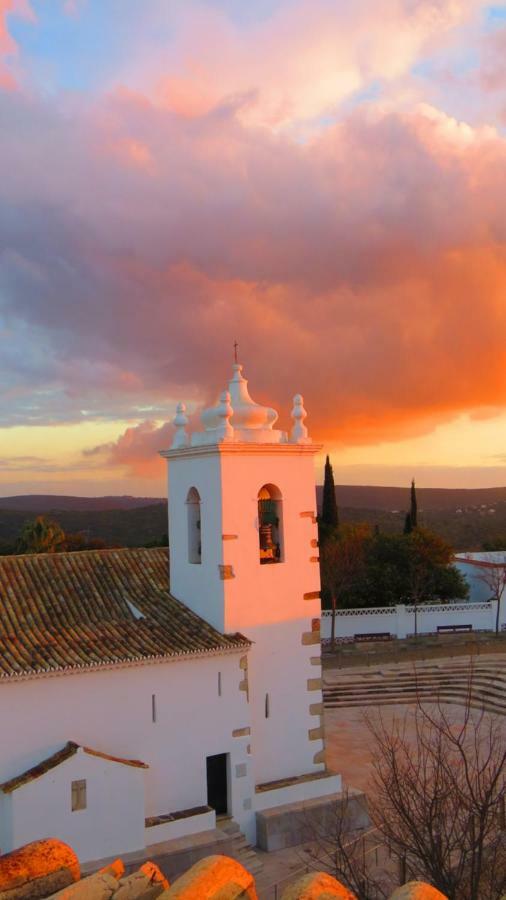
<point x="236" y="347"/>
<point x="299" y="434"/>
<point x="224" y="411"/>
<point x="180" y="421"/>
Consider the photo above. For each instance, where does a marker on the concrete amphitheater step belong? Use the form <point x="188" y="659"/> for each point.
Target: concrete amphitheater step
<point x="430" y="682"/>
<point x="493" y="690"/>
<point x="493" y="696"/>
<point x="440" y="697"/>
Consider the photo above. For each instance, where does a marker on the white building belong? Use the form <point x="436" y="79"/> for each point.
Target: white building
<point x="483" y="573"/>
<point x="133" y="715"/>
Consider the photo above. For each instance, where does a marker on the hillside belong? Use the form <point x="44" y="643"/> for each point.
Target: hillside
<point x="118" y="527"/>
<point x="466" y="518"/>
<point x="45" y="503"/>
<point x="396" y="498"/>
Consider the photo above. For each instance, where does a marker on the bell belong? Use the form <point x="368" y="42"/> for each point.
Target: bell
<point x="266" y="542"/>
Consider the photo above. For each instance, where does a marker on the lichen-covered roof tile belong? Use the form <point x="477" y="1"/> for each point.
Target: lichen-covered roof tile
<point x="69" y="611"/>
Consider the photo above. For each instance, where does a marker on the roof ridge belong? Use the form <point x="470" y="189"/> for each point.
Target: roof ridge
<point x="91" y="550"/>
<point x="69" y="749"/>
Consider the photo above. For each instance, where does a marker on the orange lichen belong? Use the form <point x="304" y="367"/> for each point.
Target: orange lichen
<point x="417" y="890"/>
<point x="317" y="886"/>
<point x="37" y="860"/>
<point x="213" y="878"/>
<point x="116" y="869"/>
<point x="154" y="874"/>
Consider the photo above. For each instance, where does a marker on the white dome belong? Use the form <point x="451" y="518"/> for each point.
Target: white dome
<point x="246" y="413"/>
<point x="236" y="418"/>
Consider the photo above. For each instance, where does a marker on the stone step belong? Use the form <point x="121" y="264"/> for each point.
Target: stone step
<point x="407" y="685"/>
<point x="487" y="670"/>
<point x="395" y="701"/>
<point x="240" y="848"/>
<point x="483" y="696"/>
<point x="421" y="677"/>
<point x="421" y="685"/>
<point x="329" y="696"/>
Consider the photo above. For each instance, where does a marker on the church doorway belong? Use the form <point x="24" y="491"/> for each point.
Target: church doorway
<point x="217" y="783"/>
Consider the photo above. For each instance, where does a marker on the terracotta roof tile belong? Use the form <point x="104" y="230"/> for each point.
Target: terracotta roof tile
<point x="65" y="611"/>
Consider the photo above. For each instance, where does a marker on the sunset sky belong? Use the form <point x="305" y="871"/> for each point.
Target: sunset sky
<point x="322" y="180"/>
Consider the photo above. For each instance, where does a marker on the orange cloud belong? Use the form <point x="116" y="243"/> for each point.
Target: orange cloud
<point x="136" y="449"/>
<point x="365" y="268"/>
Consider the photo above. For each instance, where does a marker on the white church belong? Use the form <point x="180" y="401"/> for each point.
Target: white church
<point x="134" y="713"/>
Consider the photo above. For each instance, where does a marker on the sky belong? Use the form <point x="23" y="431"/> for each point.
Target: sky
<point x="320" y="180"/>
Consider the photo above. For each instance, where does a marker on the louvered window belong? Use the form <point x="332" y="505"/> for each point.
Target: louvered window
<point x="78" y="795"/>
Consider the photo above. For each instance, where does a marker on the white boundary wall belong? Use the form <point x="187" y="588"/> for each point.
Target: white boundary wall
<point x="399" y="621"/>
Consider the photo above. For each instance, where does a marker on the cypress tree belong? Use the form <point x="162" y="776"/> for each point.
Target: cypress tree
<point x="330" y="516"/>
<point x="408" y="527"/>
<point x="413" y="514"/>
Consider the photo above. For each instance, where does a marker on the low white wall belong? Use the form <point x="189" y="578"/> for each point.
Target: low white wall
<point x="167" y="831"/>
<point x="297" y="793"/>
<point x="399" y="621"/>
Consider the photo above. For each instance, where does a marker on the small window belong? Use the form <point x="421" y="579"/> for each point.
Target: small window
<point x="270" y="524"/>
<point x="194" y="532"/>
<point x="78" y="795"/>
<point x="153" y="707"/>
<point x="219" y="684"/>
<point x="267" y="706"/>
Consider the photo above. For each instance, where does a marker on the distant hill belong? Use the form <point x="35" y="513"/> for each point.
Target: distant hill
<point x="465" y="518"/>
<point x="372" y="497"/>
<point x="44" y="503"/>
<point x="132" y="527"/>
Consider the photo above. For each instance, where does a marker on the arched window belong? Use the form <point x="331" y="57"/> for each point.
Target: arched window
<point x="270" y="524"/>
<point x="194" y="531"/>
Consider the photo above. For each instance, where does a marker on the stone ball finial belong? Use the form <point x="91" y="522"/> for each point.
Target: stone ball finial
<point x="180" y="421"/>
<point x="214" y="876"/>
<point x="299" y="433"/>
<point x="317" y="886"/>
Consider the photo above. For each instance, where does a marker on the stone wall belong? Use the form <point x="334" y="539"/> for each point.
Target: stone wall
<point x="33" y="872"/>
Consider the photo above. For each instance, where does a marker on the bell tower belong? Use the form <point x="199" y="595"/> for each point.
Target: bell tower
<point x="244" y="556"/>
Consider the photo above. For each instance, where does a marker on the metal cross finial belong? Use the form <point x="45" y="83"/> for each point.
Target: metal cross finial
<point x="235" y="351"/>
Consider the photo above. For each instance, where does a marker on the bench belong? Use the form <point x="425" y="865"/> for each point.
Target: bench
<point x="453" y="629"/>
<point x="373" y="636"/>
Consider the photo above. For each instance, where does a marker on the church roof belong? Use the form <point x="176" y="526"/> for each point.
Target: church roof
<point x="51" y="762"/>
<point x="62" y="612"/>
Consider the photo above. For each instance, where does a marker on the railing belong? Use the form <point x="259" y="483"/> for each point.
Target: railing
<point x="362" y="611"/>
<point x="447" y="607"/>
<point x="274" y="890"/>
<point x="420" y="607"/>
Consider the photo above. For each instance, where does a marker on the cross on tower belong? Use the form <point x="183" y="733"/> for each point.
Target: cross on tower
<point x="236" y="345"/>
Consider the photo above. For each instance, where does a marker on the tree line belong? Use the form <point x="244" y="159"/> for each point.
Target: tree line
<point x="44" y="534"/>
<point x="362" y="567"/>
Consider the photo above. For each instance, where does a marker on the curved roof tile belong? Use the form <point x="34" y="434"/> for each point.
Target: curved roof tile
<point x="69" y="611"/>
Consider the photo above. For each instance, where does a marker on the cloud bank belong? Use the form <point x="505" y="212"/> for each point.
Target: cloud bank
<point x="354" y="245"/>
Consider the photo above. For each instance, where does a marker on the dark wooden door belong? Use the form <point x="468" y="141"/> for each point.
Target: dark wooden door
<point x="217" y="788"/>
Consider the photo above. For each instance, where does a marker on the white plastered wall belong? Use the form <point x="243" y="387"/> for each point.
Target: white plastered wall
<point x="196" y="584"/>
<point x="112" y="823"/>
<point x="111" y="711"/>
<point x="264" y="602"/>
